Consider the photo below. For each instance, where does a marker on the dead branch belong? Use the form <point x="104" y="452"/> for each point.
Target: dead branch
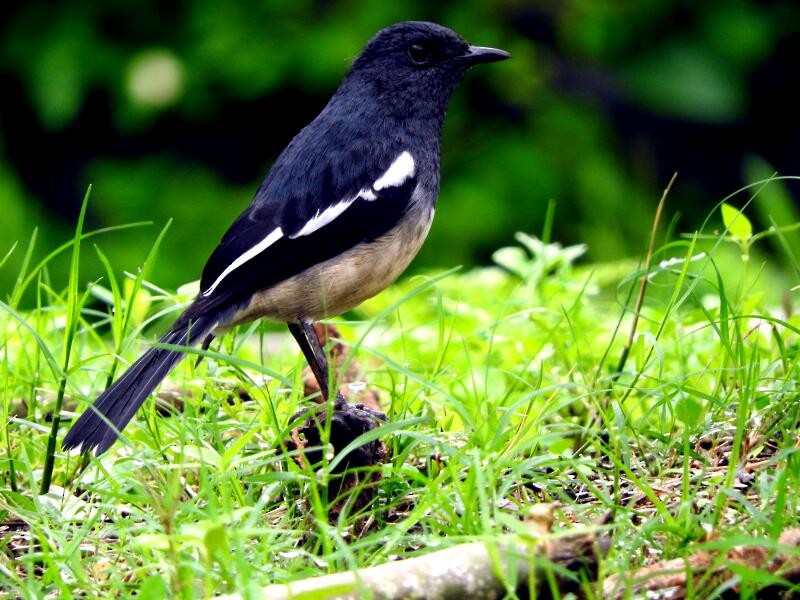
<point x="517" y="563"/>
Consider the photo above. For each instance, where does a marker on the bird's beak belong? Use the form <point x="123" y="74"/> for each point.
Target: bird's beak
<point x="481" y="54"/>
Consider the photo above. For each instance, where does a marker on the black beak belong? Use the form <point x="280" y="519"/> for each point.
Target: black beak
<point x="481" y="54"/>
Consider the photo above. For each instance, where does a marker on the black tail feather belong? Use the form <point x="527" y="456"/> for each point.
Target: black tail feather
<point x="204" y="346"/>
<point x="99" y="426"/>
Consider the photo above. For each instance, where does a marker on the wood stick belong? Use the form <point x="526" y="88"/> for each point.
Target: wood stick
<point x="488" y="569"/>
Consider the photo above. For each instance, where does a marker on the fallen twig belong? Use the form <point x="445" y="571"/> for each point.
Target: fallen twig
<point x="513" y="562"/>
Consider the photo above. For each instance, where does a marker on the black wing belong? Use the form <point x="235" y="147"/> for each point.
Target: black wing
<point x="286" y="229"/>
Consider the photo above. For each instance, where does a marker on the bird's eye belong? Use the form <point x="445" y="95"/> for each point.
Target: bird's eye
<point x="419" y="53"/>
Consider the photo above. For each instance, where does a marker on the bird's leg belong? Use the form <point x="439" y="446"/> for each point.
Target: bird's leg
<point x="308" y="341"/>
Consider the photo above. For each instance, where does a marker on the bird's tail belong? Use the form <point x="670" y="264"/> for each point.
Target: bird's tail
<point x="99" y="426"/>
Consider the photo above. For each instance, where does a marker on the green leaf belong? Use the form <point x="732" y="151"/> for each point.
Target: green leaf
<point x="736" y="223"/>
<point x="236" y="447"/>
<point x="689" y="410"/>
<point x="153" y="587"/>
<point x="17" y="501"/>
<point x="215" y="540"/>
<point x="514" y="259"/>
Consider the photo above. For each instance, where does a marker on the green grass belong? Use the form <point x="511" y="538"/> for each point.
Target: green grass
<point x="504" y="387"/>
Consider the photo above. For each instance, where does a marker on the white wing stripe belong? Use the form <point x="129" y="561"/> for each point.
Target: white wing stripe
<point x="401" y="169"/>
<point x="367" y="195"/>
<point x="323" y="218"/>
<point x="273" y="237"/>
<point x="398" y="172"/>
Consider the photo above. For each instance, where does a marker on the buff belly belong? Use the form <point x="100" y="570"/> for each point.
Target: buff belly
<point x="339" y="284"/>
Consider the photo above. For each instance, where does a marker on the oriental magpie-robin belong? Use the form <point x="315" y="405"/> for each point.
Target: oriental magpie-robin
<point x="339" y="216"/>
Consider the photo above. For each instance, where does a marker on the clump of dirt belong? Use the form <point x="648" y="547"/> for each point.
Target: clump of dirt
<point x="340" y="424"/>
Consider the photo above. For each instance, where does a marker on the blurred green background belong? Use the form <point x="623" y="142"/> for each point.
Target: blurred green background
<point x="175" y="110"/>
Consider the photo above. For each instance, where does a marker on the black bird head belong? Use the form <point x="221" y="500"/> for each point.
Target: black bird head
<point x="413" y="67"/>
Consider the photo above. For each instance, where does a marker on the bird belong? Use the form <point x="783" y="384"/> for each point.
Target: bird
<point x="339" y="216"/>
